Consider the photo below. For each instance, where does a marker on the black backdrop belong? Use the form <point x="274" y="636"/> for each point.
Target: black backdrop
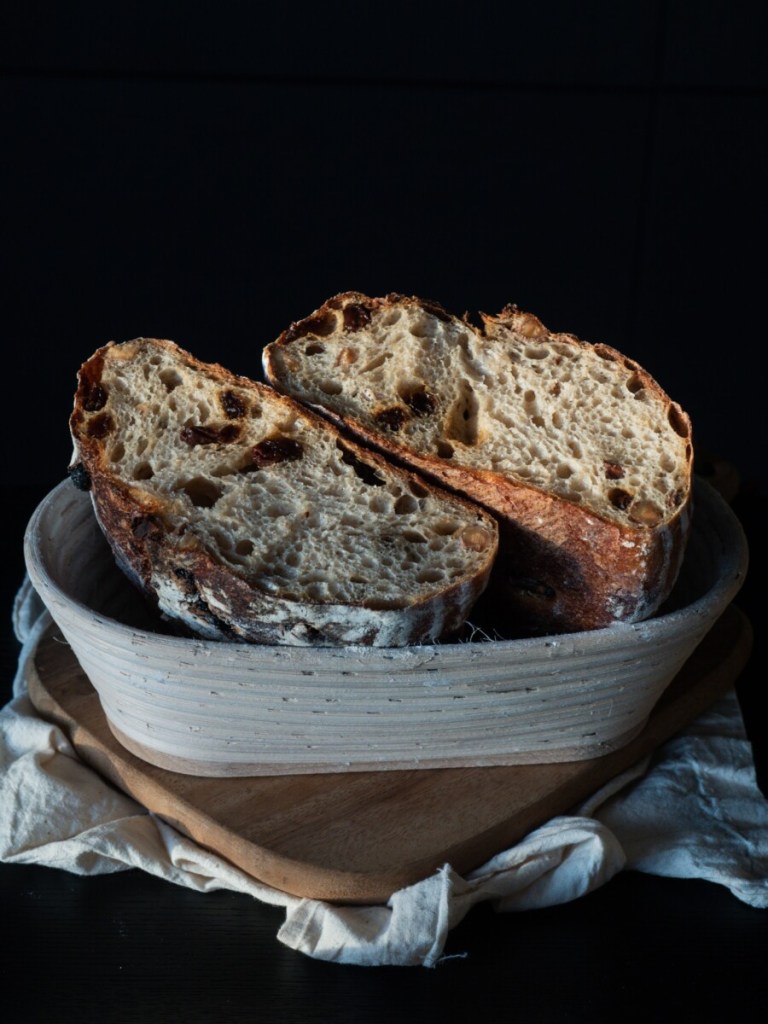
<point x="210" y="174"/>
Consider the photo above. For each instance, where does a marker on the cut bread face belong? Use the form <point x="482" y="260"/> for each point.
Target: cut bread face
<point x="246" y="516"/>
<point x="577" y="450"/>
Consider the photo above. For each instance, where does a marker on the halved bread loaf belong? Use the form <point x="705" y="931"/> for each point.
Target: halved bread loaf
<point x="580" y="454"/>
<point x="245" y="516"/>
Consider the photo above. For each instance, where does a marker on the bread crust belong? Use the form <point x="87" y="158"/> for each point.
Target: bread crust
<point x="562" y="566"/>
<point x="196" y="591"/>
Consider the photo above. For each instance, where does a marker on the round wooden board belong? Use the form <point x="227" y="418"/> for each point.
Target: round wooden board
<point x="357" y="837"/>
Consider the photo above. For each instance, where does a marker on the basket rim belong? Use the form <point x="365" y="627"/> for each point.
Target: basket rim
<point x="707" y="503"/>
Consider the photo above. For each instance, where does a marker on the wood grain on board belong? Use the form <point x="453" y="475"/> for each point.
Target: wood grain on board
<point x="358" y="837"/>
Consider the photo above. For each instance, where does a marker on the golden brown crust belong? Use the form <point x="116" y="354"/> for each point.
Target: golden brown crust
<point x="575" y="569"/>
<point x="191" y="585"/>
<point x="561" y="567"/>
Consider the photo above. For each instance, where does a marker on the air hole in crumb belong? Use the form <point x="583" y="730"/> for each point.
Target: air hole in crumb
<point x="417" y="489"/>
<point x="476" y="538"/>
<point x="444" y="450"/>
<point x="445" y="527"/>
<point x="537" y="421"/>
<point x="315" y="349"/>
<point x="117" y="452"/>
<point x="292" y="559"/>
<point x="564" y="471"/>
<point x="462" y="421"/>
<point x="557" y="420"/>
<point x="606" y="353"/>
<point x="417" y="398"/>
<point x="143" y="471"/>
<point x="171" y="378"/>
<point x="278" y="509"/>
<point x="677" y="421"/>
<point x="380" y="503"/>
<point x="244" y="547"/>
<point x="414" y="537"/>
<point x="646" y="513"/>
<point x="203" y="493"/>
<point x="634" y="383"/>
<point x="529" y="396"/>
<point x="100" y="425"/>
<point x="320" y="324"/>
<point x="375" y="362"/>
<point x="620" y="498"/>
<point x="406" y="504"/>
<point x="429" y="576"/>
<point x="330" y="387"/>
<point x="223" y="540"/>
<point x="536" y="353"/>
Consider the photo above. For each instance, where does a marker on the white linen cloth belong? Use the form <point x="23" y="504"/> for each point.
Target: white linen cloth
<point x="692" y="810"/>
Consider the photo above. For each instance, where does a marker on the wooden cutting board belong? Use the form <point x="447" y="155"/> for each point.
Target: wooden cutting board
<point x="359" y="837"/>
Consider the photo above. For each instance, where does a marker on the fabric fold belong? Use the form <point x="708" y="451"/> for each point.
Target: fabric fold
<point x="691" y="810"/>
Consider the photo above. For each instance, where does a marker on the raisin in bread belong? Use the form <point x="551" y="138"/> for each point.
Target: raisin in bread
<point x="245" y="516"/>
<point x="580" y="454"/>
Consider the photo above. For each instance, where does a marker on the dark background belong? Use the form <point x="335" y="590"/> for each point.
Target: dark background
<point x="211" y="174"/>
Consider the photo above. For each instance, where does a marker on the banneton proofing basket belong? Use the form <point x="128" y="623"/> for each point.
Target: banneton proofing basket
<point x="213" y="708"/>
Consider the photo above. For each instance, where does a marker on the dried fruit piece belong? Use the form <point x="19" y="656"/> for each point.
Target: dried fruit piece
<point x="392" y="418"/>
<point x="192" y="435"/>
<point x="273" y="450"/>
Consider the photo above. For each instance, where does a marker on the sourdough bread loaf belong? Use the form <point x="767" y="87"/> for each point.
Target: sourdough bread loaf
<point x="245" y="516"/>
<point x="579" y="453"/>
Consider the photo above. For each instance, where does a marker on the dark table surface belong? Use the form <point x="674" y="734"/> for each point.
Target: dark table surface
<point x="131" y="947"/>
